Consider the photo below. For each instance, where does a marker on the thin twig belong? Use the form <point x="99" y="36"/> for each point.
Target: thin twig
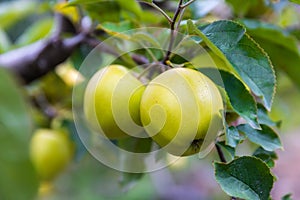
<point x="180" y="19"/>
<point x="187" y="4"/>
<point x="158" y="9"/>
<point x="103" y="47"/>
<point x="220" y="153"/>
<point x="172" y="37"/>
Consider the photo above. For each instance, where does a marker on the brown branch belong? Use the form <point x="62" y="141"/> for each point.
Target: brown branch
<point x="35" y="60"/>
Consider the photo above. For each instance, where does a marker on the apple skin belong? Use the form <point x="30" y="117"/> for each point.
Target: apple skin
<point x="50" y="152"/>
<point x="112" y="102"/>
<point x="179" y="108"/>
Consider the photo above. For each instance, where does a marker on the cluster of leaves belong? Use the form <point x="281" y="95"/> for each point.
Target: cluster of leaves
<point x="246" y="50"/>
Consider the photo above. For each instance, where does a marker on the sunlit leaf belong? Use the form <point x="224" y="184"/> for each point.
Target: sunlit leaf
<point x="229" y="41"/>
<point x="131" y="6"/>
<point x="36" y="31"/>
<point x="295" y="1"/>
<point x="5" y="42"/>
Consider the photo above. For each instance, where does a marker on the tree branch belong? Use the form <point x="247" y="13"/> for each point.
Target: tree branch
<point x="35" y="60"/>
<point x="172" y="36"/>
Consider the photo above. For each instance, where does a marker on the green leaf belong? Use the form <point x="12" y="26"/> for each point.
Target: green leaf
<point x="287" y="197"/>
<point x="246" y="178"/>
<point x="240" y="98"/>
<point x="102" y="10"/>
<point x="82" y="2"/>
<point x="13" y="11"/>
<point x="13" y="109"/>
<point x="263" y="117"/>
<point x="251" y="9"/>
<point x="241" y="8"/>
<point x="267" y="156"/>
<point x="295" y="1"/>
<point x="5" y="42"/>
<point x="270" y="32"/>
<point x="229" y="41"/>
<point x="79" y="55"/>
<point x="266" y="137"/>
<point x="233" y="137"/>
<point x="17" y="172"/>
<point x="281" y="46"/>
<point x="36" y="31"/>
<point x="18" y="177"/>
<point x="228" y="151"/>
<point x="131" y="6"/>
<point x="117" y="27"/>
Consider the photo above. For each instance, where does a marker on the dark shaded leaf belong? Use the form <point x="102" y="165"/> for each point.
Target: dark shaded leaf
<point x="266" y="137"/>
<point x="267" y="156"/>
<point x="246" y="178"/>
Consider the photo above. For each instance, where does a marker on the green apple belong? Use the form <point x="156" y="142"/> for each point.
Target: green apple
<point x="179" y="108"/>
<point x="112" y="102"/>
<point x="50" y="152"/>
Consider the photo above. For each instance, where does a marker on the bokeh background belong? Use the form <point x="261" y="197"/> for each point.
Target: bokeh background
<point x="48" y="103"/>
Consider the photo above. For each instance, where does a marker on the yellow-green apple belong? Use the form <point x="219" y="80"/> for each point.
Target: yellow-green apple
<point x="179" y="108"/>
<point x="112" y="102"/>
<point x="50" y="152"/>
